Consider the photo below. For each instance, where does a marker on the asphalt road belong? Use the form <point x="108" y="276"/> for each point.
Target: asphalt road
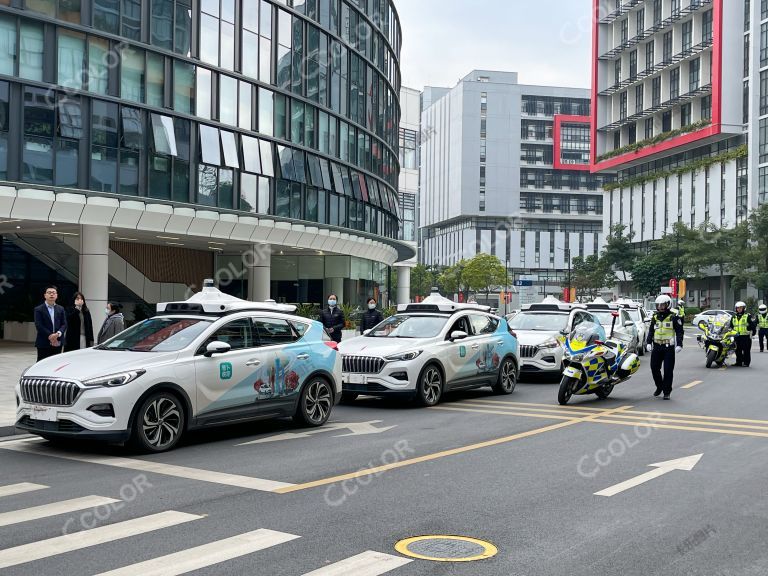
<point x="517" y="471"/>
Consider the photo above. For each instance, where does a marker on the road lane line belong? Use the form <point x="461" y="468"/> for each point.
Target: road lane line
<point x="206" y="555"/>
<point x="507" y="406"/>
<point x="87" y="538"/>
<point x="701" y="417"/>
<point x="692" y="384"/>
<point x="445" y="453"/>
<point x="650" y="424"/>
<point x="368" y="563"/>
<point x="54" y="509"/>
<point x="662" y="418"/>
<point x="21" y="488"/>
<point x="482" y="410"/>
<point x="37" y="447"/>
<point x="549" y="406"/>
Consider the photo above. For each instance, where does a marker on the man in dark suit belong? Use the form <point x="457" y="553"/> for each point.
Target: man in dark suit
<point x="333" y="318"/>
<point x="51" y="324"/>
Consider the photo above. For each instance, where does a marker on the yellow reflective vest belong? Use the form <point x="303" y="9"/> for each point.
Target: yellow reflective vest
<point x="741" y="325"/>
<point x="762" y="320"/>
<point x="664" y="329"/>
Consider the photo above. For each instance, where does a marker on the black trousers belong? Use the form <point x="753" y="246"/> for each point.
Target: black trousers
<point x="47" y="352"/>
<point x="763" y="334"/>
<point x="744" y="350"/>
<point x="663" y="356"/>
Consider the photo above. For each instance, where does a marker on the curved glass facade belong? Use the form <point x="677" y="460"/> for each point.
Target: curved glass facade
<point x="280" y="107"/>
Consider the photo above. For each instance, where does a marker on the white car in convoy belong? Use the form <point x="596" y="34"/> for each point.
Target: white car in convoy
<point x="640" y="317"/>
<point x="539" y="328"/>
<point x="621" y="326"/>
<point x="429" y="348"/>
<point x="211" y="360"/>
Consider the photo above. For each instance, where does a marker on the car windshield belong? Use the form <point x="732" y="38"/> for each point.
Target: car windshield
<point x="158" y="335"/>
<point x="605" y="317"/>
<point x="406" y="326"/>
<point x="539" y="321"/>
<point x="634" y="314"/>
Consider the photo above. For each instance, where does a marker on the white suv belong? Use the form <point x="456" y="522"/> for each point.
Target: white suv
<point x="539" y="328"/>
<point x="213" y="359"/>
<point x="429" y="348"/>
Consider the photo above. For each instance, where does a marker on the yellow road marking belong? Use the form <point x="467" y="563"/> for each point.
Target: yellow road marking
<point x="445" y="453"/>
<point x="699" y="417"/>
<point x="692" y="384"/>
<point x="489" y="550"/>
<point x="531" y="408"/>
<point x="689" y="428"/>
<point x="480" y="410"/>
<point x="549" y="406"/>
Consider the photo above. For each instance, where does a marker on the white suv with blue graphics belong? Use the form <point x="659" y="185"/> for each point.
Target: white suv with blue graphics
<point x="211" y="360"/>
<point x="429" y="348"/>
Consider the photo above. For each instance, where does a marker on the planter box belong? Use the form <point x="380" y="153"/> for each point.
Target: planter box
<point x="19" y="331"/>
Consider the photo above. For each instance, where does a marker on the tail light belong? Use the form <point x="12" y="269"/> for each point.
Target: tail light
<point x="332" y="344"/>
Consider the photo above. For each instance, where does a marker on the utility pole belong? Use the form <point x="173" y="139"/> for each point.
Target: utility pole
<point x="570" y="288"/>
<point x="506" y="285"/>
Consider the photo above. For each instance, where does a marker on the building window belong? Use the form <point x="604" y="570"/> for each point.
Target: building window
<point x="742" y="189"/>
<point x="763" y="186"/>
<point x="656" y="91"/>
<point x="706" y="26"/>
<point x="171" y="24"/>
<point x="640" y="21"/>
<point x="656" y="12"/>
<point x="674" y="83"/>
<point x="685" y="114"/>
<point x="667" y="46"/>
<point x="617" y="71"/>
<point x="706" y="108"/>
<point x="649" y="55"/>
<point x="694" y="74"/>
<point x="624" y="30"/>
<point x="687" y="35"/>
<point x="764" y="44"/>
<point x="675" y="10"/>
<point x="633" y="64"/>
<point x="71" y="60"/>
<point x="648" y="128"/>
<point x="666" y="121"/>
<point x="632" y="132"/>
<point x="638" y="99"/>
<point x="623" y="106"/>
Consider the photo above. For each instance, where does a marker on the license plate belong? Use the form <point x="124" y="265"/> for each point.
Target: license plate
<point x="44" y="413"/>
<point x="355" y="379"/>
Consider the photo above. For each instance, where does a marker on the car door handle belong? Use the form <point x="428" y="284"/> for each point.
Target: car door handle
<point x="500" y="342"/>
<point x="253" y="363"/>
<point x="475" y="346"/>
<point x="302" y="357"/>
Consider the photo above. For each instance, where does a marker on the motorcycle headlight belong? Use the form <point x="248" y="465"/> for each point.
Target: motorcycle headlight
<point x="405" y="356"/>
<point x="576" y="357"/>
<point x="113" y="380"/>
<point x="548" y="344"/>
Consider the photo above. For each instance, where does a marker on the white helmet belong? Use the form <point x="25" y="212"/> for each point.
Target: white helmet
<point x="663" y="303"/>
<point x="763" y="309"/>
<point x="740" y="305"/>
<point x="681" y="302"/>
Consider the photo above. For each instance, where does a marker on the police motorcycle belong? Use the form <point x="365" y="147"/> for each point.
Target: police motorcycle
<point x="718" y="339"/>
<point x="592" y="364"/>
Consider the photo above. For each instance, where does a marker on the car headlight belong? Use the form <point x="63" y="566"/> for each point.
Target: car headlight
<point x="114" y="380"/>
<point x="405" y="356"/>
<point x="548" y="344"/>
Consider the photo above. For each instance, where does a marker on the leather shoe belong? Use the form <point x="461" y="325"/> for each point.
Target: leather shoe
<point x="658" y="392"/>
<point x="666" y="396"/>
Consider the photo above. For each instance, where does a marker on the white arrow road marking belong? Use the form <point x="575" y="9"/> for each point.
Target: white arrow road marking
<point x="662" y="468"/>
<point x="355" y="429"/>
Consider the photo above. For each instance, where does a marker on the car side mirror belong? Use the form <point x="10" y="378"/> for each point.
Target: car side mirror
<point x="628" y="324"/>
<point x="458" y="335"/>
<point x="366" y="332"/>
<point x="216" y="348"/>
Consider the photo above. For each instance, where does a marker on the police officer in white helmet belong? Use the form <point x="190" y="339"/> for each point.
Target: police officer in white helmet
<point x="665" y="340"/>
<point x="745" y="327"/>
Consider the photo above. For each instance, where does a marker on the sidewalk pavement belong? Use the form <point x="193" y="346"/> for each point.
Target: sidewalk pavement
<point x="15" y="357"/>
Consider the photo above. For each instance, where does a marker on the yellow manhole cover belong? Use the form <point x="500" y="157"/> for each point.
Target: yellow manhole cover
<point x="446" y="548"/>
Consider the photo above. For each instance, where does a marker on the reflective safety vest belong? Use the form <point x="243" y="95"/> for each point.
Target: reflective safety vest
<point x="741" y="325"/>
<point x="664" y="331"/>
<point x="763" y="320"/>
<point x="681" y="311"/>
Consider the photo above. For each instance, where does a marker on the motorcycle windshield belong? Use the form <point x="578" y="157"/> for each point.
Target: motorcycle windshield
<point x="718" y="325"/>
<point x="585" y="335"/>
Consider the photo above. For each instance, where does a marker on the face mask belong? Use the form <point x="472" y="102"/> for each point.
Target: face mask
<point x="371" y="306"/>
<point x="107" y="311"/>
<point x="331" y="303"/>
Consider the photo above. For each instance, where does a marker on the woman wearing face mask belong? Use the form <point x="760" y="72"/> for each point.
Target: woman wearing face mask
<point x="114" y="324"/>
<point x="371" y="317"/>
<point x="80" y="332"/>
<point x="333" y="318"/>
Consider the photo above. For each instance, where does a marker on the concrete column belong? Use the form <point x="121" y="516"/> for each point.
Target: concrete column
<point x="403" y="284"/>
<point x="94" y="271"/>
<point x="258" y="262"/>
<point x="336" y="287"/>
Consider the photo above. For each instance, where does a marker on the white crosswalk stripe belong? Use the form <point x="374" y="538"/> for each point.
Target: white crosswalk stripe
<point x="21" y="488"/>
<point x="368" y="563"/>
<point x="205" y="555"/>
<point x="87" y="538"/>
<point x="47" y="510"/>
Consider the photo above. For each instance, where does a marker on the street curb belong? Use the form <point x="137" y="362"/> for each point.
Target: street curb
<point x="10" y="431"/>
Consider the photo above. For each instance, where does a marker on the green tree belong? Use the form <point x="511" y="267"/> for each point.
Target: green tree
<point x="618" y="252"/>
<point x="590" y="275"/>
<point x="422" y="281"/>
<point x="719" y="248"/>
<point x="654" y="269"/>
<point x="484" y="273"/>
<point x="452" y="280"/>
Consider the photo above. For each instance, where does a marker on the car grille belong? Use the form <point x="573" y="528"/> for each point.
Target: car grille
<point x="362" y="364"/>
<point x="44" y="426"/>
<point x="49" y="392"/>
<point x="528" y="351"/>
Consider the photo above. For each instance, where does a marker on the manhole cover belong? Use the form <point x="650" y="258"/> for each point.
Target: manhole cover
<point x="446" y="548"/>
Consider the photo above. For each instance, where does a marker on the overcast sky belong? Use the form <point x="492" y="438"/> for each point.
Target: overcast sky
<point x="547" y="41"/>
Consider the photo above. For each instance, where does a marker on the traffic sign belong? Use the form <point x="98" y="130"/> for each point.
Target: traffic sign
<point x="523" y="283"/>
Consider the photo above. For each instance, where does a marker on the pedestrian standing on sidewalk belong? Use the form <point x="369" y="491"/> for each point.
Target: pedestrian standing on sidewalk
<point x="665" y="341"/>
<point x="79" y="326"/>
<point x="762" y="322"/>
<point x="371" y="317"/>
<point x="333" y="318"/>
<point x="51" y="325"/>
<point x="114" y="324"/>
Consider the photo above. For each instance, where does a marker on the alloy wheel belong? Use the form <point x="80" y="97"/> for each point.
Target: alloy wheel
<point x="318" y="402"/>
<point x="161" y="422"/>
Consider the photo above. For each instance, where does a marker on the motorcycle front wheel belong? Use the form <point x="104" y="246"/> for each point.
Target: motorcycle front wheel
<point x="711" y="357"/>
<point x="567" y="386"/>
